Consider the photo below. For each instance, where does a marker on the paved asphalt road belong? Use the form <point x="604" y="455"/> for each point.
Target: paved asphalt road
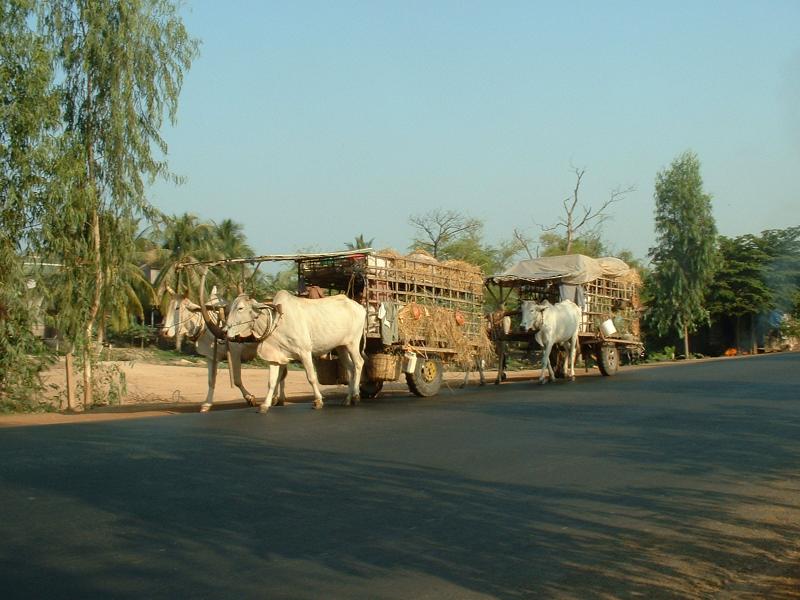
<point x="671" y="482"/>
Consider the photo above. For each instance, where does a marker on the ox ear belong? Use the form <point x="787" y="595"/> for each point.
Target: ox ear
<point x="264" y="305"/>
<point x="215" y="301"/>
<point x="192" y="306"/>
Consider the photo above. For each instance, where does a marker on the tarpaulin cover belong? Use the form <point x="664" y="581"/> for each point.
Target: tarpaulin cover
<point x="573" y="269"/>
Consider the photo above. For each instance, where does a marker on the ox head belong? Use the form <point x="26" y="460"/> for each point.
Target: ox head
<point x="533" y="315"/>
<point x="184" y="316"/>
<point x="248" y="317"/>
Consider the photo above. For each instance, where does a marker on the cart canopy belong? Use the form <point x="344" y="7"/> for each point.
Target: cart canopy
<point x="573" y="269"/>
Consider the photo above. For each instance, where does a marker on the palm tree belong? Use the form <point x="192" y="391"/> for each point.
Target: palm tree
<point x="359" y="243"/>
<point x="229" y="241"/>
<point x="182" y="238"/>
<point x="128" y="289"/>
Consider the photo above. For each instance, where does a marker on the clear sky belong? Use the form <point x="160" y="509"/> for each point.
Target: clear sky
<point x="313" y="122"/>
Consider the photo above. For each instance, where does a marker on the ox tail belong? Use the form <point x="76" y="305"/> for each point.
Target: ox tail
<point x="364" y="337"/>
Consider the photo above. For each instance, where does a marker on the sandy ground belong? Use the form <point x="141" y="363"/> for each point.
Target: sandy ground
<point x="157" y="389"/>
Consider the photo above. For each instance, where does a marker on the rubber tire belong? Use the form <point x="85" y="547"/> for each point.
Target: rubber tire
<point x="426" y="380"/>
<point x="370" y="389"/>
<point x="608" y="360"/>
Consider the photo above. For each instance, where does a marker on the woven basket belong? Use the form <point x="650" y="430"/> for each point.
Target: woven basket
<point x="383" y="367"/>
<point x="330" y="371"/>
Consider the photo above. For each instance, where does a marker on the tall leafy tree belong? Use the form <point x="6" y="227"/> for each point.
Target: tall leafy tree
<point x="122" y="63"/>
<point x="28" y="119"/>
<point x="739" y="289"/>
<point x="684" y="258"/>
<point x="782" y="265"/>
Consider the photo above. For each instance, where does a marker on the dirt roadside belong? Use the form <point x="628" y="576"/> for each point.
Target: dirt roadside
<point x="160" y="389"/>
<point x="157" y="390"/>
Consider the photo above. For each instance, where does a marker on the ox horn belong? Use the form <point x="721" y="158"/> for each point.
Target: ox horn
<point x="218" y="332"/>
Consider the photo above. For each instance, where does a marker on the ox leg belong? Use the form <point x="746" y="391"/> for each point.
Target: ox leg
<point x="501" y="362"/>
<point x="272" y="383"/>
<point x="311" y="375"/>
<point x="573" y="351"/>
<point x="547" y="368"/>
<point x="354" y="367"/>
<point x="235" y="365"/>
<point x="212" y="383"/>
<point x="478" y="368"/>
<point x="280" y="399"/>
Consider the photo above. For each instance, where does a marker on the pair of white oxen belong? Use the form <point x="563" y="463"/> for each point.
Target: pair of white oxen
<point x="287" y="329"/>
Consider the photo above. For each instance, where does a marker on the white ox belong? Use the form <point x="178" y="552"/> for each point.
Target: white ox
<point x="183" y="317"/>
<point x="291" y="328"/>
<point x="554" y="324"/>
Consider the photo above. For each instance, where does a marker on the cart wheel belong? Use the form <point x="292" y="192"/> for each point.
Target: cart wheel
<point x="370" y="389"/>
<point x="608" y="359"/>
<point x="427" y="377"/>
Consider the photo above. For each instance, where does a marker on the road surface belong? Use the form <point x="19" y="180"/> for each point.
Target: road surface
<point x="672" y="482"/>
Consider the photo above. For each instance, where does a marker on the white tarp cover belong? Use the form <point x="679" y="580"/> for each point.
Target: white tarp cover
<point x="573" y="269"/>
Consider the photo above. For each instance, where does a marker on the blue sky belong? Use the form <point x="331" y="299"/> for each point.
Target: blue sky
<point x="313" y="122"/>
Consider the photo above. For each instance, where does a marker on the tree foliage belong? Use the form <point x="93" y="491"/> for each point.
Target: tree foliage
<point x="121" y="65"/>
<point x="739" y="286"/>
<point x="782" y="265"/>
<point x="553" y="244"/>
<point x="438" y="227"/>
<point x="28" y="118"/>
<point x="359" y="242"/>
<point x="684" y="258"/>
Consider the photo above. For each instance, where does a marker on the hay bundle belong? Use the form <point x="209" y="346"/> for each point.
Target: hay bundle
<point x="439" y="327"/>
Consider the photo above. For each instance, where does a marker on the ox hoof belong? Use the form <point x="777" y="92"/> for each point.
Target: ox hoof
<point x="542" y="381"/>
<point x="205" y="408"/>
<point x="251" y="400"/>
<point x="263" y="409"/>
<point x="317" y="404"/>
<point x="279" y="403"/>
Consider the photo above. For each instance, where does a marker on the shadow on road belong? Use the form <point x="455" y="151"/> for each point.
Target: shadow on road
<point x="640" y="493"/>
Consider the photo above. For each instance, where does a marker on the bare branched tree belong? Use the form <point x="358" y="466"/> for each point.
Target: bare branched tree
<point x="578" y="220"/>
<point x="440" y="227"/>
<point x="524" y="241"/>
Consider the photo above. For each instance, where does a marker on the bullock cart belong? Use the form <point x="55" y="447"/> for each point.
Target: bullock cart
<point x="422" y="313"/>
<point x="606" y="289"/>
